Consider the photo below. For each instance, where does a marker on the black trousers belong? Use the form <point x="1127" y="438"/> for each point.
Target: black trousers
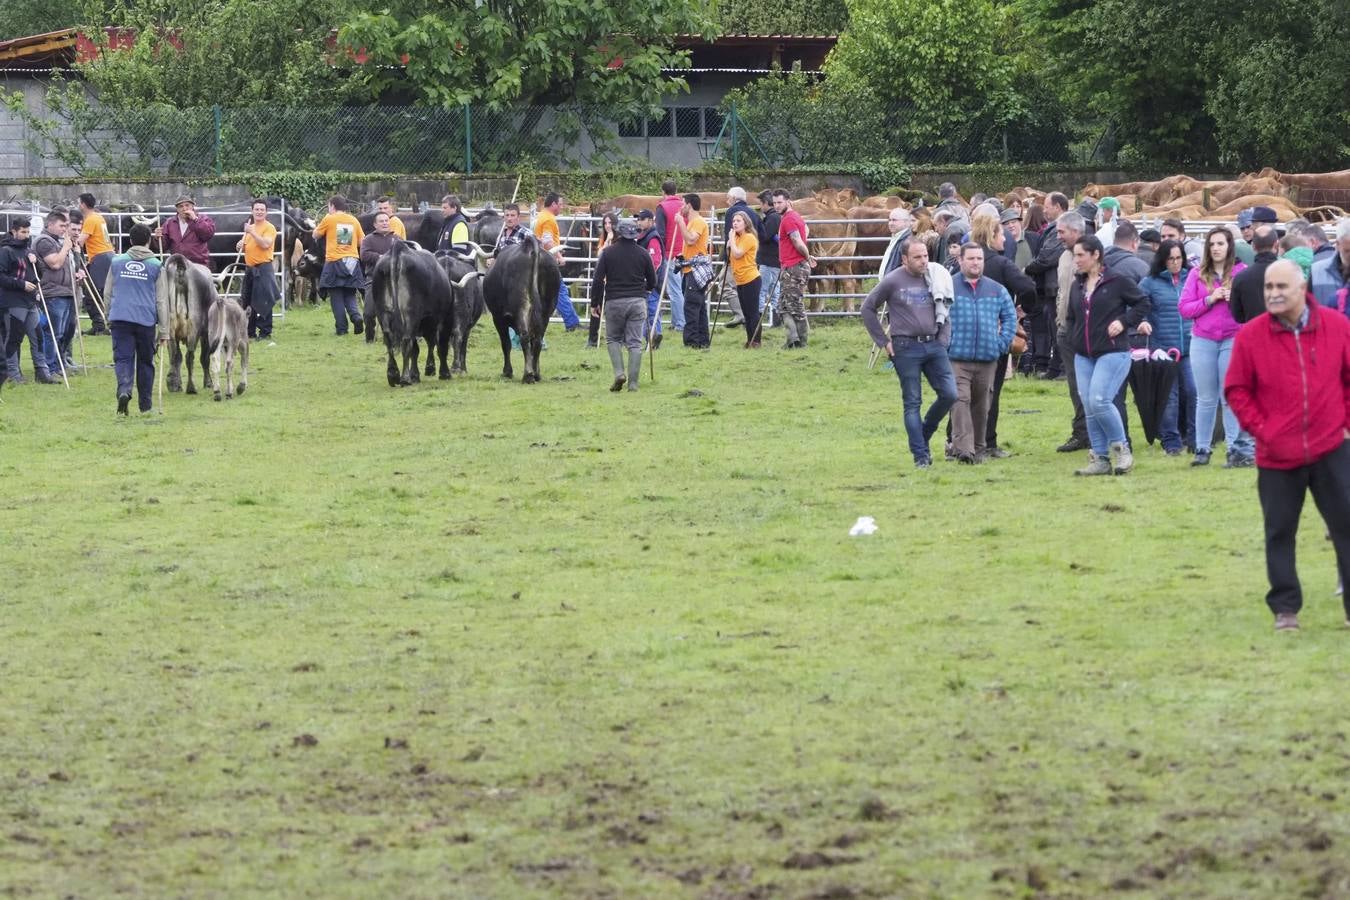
<point x="258" y="295"/>
<point x="695" y="314"/>
<point x="98" y="273"/>
<point x="134" y="359"/>
<point x="748" y="294"/>
<point x="1282" y="492"/>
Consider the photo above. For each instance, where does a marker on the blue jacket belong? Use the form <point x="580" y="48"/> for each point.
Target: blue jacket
<point x="130" y="288"/>
<point x="1169" y="328"/>
<point x="1327" y="278"/>
<point x="984" y="321"/>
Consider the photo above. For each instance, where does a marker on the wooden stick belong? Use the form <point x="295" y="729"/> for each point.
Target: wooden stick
<point x="661" y="295"/>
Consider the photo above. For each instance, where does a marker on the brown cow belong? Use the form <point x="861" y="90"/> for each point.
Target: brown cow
<point x="829" y="239"/>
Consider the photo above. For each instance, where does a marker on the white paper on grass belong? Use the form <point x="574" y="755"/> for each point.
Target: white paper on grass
<point x="864" y="525"/>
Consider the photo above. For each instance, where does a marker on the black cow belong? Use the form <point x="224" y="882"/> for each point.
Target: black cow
<point x="466" y="285"/>
<point x="521" y="291"/>
<point x="485" y="228"/>
<point x="423" y="228"/>
<point x="412" y="300"/>
<point x="185" y="292"/>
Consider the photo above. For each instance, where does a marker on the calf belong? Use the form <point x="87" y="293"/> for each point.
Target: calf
<point x="184" y="293"/>
<point x="521" y="291"/>
<point x="411" y="299"/>
<point x="227" y="330"/>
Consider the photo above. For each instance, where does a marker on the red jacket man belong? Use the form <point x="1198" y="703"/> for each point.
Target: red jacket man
<point x="188" y="233"/>
<point x="1289" y="384"/>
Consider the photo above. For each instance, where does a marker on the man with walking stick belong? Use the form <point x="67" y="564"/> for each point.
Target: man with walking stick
<point x="98" y="251"/>
<point x="18" y="302"/>
<point x="54" y="248"/>
<point x="133" y="312"/>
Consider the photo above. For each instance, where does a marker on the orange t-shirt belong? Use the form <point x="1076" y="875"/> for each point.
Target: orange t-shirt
<point x="744" y="270"/>
<point x="397" y="227"/>
<point x="255" y="255"/>
<point x="547" y="223"/>
<point x="699" y="245"/>
<point x="97" y="229"/>
<point x="342" y="236"/>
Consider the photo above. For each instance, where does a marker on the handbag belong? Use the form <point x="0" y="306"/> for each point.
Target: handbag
<point x="1019" y="341"/>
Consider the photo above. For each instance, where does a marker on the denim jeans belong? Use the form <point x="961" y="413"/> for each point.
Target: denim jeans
<point x="60" y="310"/>
<point x="929" y="360"/>
<point x="768" y="288"/>
<point x="566" y="309"/>
<point x="675" y="294"/>
<point x="1209" y="364"/>
<point x="654" y="312"/>
<point x="1099" y="382"/>
<point x="1178" y="419"/>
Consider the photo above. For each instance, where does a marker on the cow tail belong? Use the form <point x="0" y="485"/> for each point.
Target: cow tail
<point x="390" y="301"/>
<point x="534" y="283"/>
<point x="180" y="294"/>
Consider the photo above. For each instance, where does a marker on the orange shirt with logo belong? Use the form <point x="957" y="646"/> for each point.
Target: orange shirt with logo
<point x="342" y="236"/>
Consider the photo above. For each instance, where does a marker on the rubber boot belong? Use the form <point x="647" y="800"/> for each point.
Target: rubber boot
<point x="789" y="332"/>
<point x="634" y="368"/>
<point x="616" y="360"/>
<point x="802" y="330"/>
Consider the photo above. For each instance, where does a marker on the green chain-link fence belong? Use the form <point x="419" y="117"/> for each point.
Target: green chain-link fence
<point x="187" y="142"/>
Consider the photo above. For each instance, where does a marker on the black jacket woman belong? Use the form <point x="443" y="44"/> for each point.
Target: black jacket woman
<point x="1103" y="307"/>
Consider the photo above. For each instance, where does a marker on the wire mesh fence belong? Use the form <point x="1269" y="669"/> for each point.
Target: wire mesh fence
<point x="82" y="137"/>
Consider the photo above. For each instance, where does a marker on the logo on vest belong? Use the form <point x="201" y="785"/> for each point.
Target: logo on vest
<point x="135" y="266"/>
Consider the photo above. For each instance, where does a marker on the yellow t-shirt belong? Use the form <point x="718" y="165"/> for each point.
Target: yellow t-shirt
<point x="397" y="227"/>
<point x="97" y="229"/>
<point x="547" y="223"/>
<point x="255" y="255"/>
<point x="744" y="270"/>
<point x="342" y="235"/>
<point x="699" y="245"/>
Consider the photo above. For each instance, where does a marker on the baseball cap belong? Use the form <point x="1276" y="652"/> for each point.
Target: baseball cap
<point x="1244" y="219"/>
<point x="1110" y="203"/>
<point x="1264" y="214"/>
<point x="1151" y="236"/>
<point x="645" y="214"/>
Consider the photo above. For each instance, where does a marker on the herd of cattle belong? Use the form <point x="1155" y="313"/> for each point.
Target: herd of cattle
<point x="415" y="295"/>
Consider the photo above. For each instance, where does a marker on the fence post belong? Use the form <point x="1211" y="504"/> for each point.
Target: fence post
<point x="735" y="142"/>
<point x="468" y="141"/>
<point x="215" y="115"/>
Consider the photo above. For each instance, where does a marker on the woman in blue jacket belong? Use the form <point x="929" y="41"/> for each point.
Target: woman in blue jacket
<point x="1170" y="330"/>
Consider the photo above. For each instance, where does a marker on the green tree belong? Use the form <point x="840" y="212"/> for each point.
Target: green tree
<point x="782" y="16"/>
<point x="1282" y="101"/>
<point x="1135" y="68"/>
<point x="21" y="18"/>
<point x="505" y="53"/>
<point x="937" y="66"/>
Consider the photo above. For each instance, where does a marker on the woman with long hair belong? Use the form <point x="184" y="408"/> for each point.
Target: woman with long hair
<point x="1103" y="307"/>
<point x="1163" y="286"/>
<point x="1204" y="300"/>
<point x="609" y="226"/>
<point x="1034" y="226"/>
<point x="742" y="244"/>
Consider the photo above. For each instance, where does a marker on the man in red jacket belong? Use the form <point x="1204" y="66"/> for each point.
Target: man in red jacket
<point x="1289" y="384"/>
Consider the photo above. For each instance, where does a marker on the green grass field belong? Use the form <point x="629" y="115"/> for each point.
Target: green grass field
<point x="480" y="639"/>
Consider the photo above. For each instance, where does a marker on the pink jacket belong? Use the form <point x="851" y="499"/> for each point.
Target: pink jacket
<point x="1213" y="323"/>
